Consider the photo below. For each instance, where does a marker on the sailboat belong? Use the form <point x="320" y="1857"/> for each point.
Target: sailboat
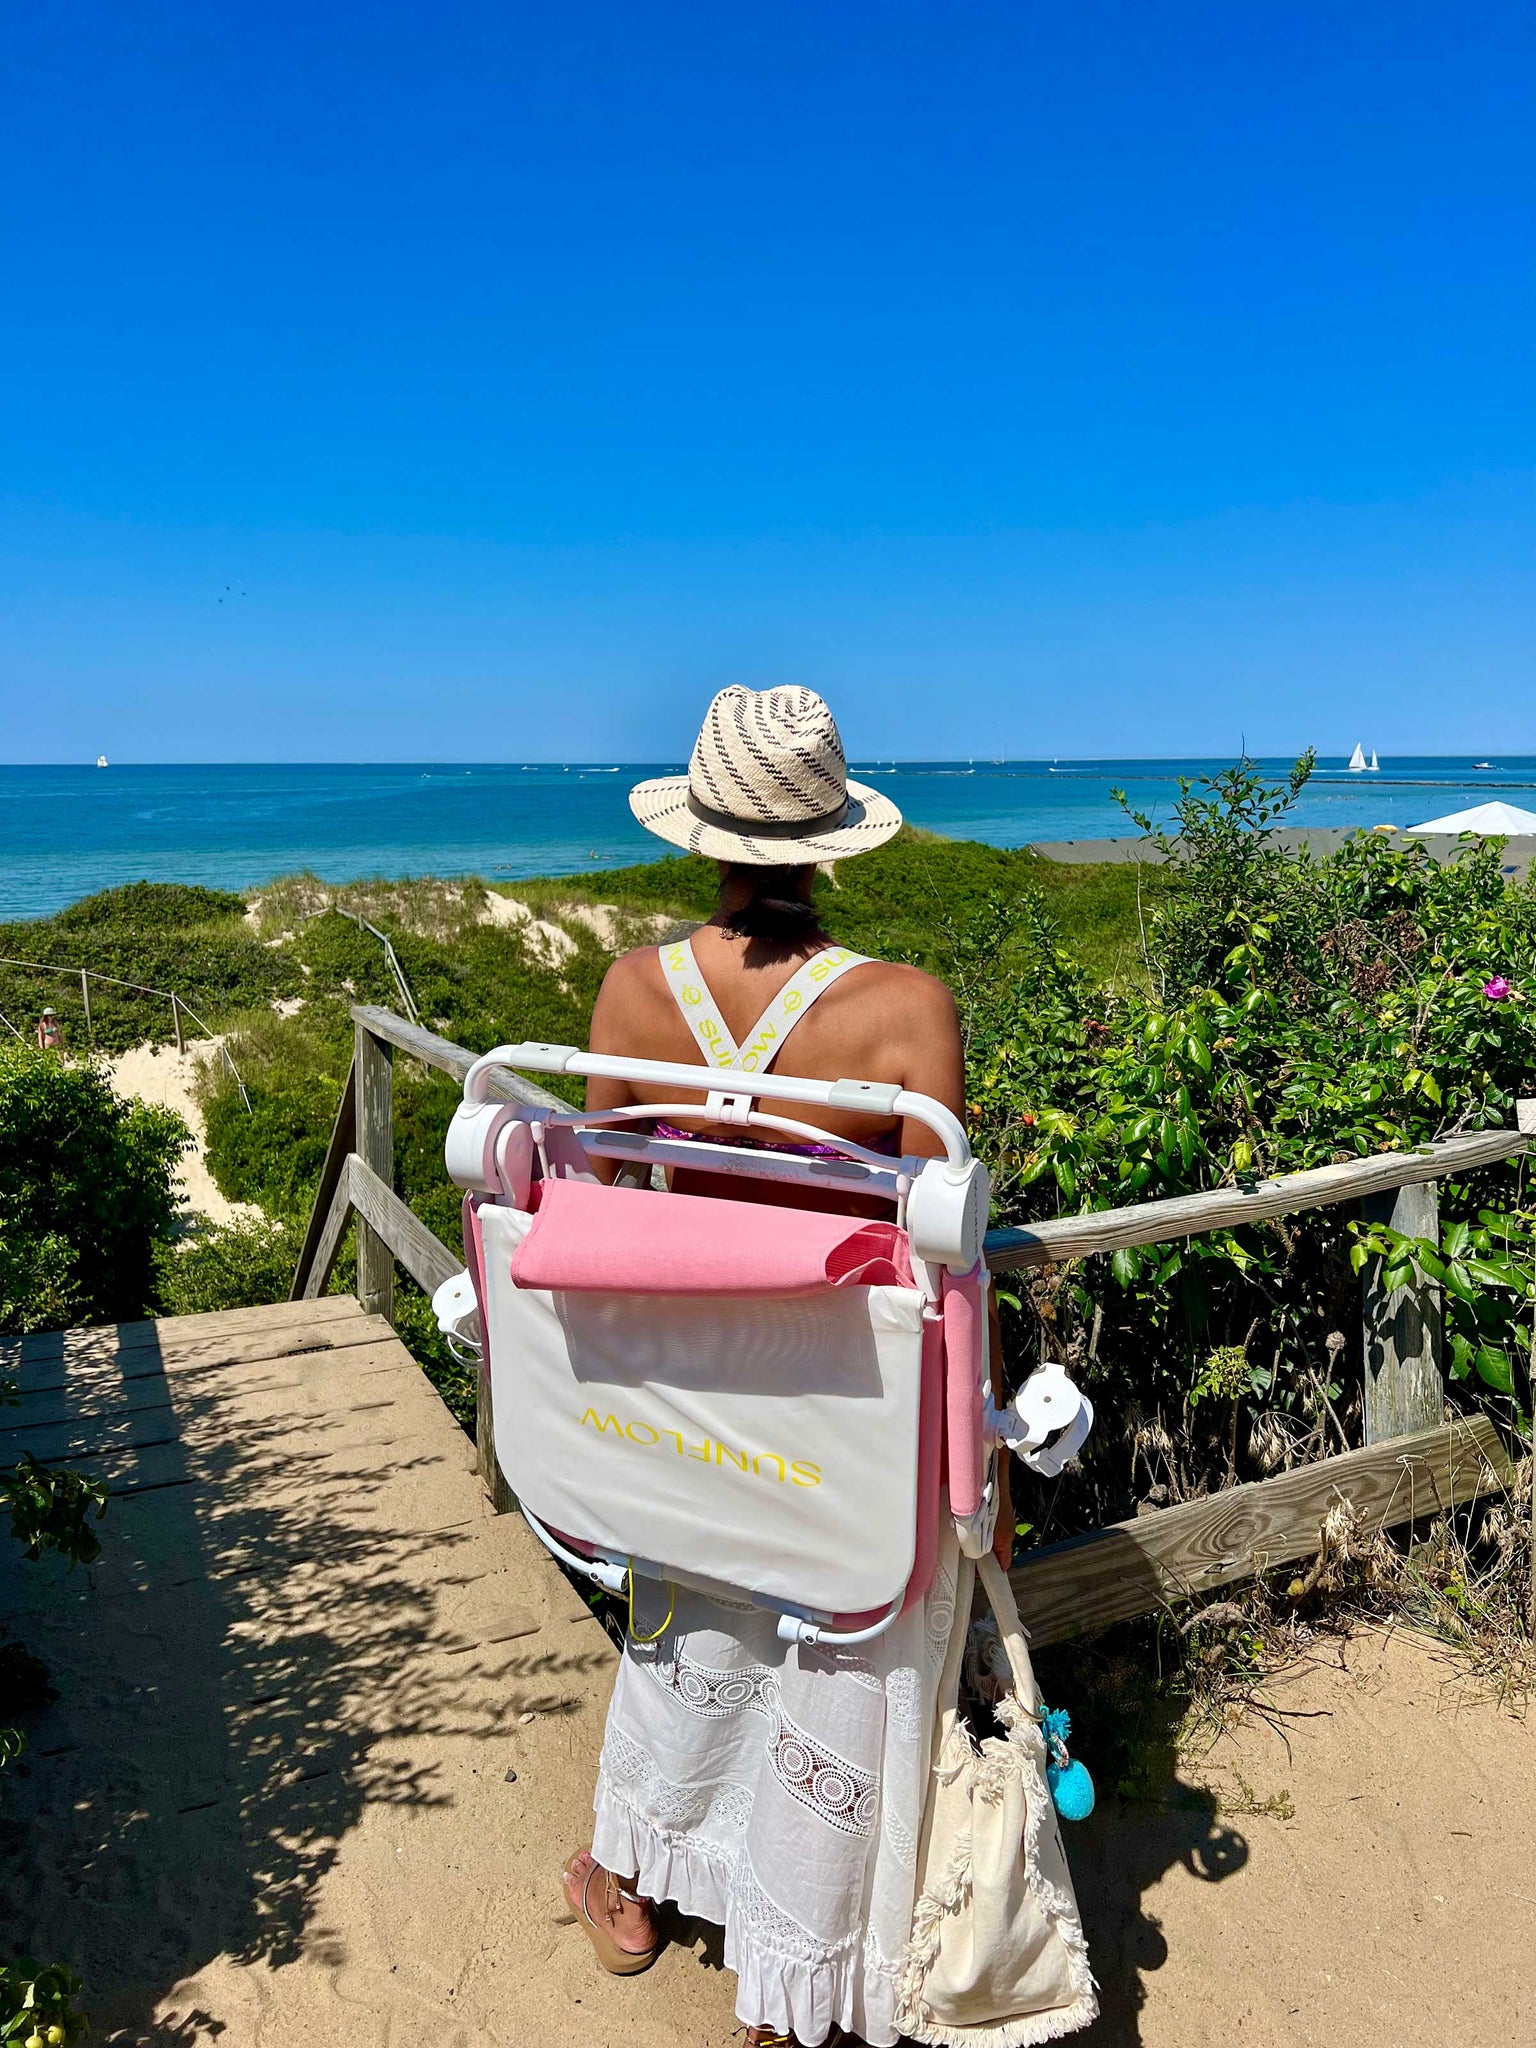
<point x="1357" y="760"/>
<point x="101" y="760"/>
<point x="1375" y="767"/>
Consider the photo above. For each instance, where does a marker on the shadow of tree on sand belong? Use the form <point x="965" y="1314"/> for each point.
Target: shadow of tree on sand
<point x="288" y="1602"/>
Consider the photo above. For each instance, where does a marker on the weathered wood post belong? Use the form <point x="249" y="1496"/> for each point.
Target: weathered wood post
<point x="373" y="1068"/>
<point x="1404" y="1389"/>
<point x="181" y="1042"/>
<point x="85" y="997"/>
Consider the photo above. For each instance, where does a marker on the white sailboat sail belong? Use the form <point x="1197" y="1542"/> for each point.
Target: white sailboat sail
<point x="1357" y="759"/>
<point x="1375" y="767"/>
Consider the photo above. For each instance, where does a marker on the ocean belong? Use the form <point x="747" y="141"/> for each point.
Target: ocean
<point x="65" y="832"/>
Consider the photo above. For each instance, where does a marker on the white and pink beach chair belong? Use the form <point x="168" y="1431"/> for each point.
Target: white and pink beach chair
<point x="762" y="1403"/>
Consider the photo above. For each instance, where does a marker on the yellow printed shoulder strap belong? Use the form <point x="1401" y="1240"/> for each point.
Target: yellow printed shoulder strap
<point x="691" y="993"/>
<point x="766" y="1038"/>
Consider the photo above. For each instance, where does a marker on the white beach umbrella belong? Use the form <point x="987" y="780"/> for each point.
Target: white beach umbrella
<point x="1503" y="820"/>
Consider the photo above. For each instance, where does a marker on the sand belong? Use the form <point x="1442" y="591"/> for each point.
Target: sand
<point x="160" y="1074"/>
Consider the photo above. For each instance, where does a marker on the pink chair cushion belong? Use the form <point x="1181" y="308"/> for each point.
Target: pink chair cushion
<point x="590" y="1239"/>
<point x="965" y="1456"/>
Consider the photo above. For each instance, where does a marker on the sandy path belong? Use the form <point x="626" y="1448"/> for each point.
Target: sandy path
<point x="160" y="1074"/>
<point x="1397" y="1909"/>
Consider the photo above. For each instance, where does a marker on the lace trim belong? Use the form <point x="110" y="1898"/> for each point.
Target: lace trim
<point x="838" y="1792"/>
<point x="715" y="1695"/>
<point x="902" y="1694"/>
<point x="769" y="1927"/>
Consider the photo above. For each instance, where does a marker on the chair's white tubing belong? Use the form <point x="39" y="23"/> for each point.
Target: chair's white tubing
<point x="792" y="1628"/>
<point x="889" y="1182"/>
<point x="610" y="1577"/>
<point x="867" y="1098"/>
<point x="698" y="1112"/>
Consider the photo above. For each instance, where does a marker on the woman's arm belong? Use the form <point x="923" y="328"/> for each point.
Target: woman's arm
<point x="934" y="1063"/>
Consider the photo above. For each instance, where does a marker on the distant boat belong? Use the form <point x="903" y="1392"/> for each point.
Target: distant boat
<point x="101" y="760"/>
<point x="1375" y="767"/>
<point x="1357" y="760"/>
<point x="1482" y="764"/>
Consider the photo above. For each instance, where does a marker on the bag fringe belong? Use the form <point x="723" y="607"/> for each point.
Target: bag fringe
<point x="990" y="1764"/>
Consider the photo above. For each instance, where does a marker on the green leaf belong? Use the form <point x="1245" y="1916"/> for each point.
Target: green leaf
<point x="1494" y="1367"/>
<point x="1125" y="1266"/>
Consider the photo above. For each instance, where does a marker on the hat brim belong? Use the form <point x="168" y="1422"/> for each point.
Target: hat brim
<point x="662" y="808"/>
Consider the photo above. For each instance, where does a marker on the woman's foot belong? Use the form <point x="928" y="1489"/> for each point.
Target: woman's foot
<point x="607" y="1910"/>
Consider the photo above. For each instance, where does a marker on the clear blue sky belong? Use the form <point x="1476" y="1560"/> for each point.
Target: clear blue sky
<point x="1079" y="379"/>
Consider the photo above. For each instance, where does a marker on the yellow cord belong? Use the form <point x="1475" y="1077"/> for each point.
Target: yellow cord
<point x="666" y="1624"/>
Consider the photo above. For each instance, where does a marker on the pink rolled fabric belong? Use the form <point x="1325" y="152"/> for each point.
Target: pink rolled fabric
<point x="964" y="1394"/>
<point x="591" y="1239"/>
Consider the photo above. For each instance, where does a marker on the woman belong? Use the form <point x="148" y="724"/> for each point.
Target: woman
<point x="775" y="1790"/>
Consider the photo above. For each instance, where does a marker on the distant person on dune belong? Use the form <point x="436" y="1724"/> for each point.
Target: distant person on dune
<point x="50" y="1032"/>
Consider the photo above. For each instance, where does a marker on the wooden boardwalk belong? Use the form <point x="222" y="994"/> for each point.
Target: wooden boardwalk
<point x="271" y="1804"/>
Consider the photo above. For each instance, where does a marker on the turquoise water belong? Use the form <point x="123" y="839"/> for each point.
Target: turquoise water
<point x="67" y="831"/>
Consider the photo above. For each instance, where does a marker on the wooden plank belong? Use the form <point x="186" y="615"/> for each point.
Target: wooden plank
<point x="1404" y="1389"/>
<point x="372" y="1061"/>
<point x="500" y="1495"/>
<point x="1108" y="1230"/>
<point x="257" y="1418"/>
<point x="343" y="1142"/>
<point x="86" y="1374"/>
<point x="449" y="1058"/>
<point x="425" y="1257"/>
<point x="162" y="1334"/>
<point x="104" y="1393"/>
<point x="1134" y="1567"/>
<point x="328" y="1244"/>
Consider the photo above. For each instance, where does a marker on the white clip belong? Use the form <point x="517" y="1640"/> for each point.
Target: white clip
<point x="728" y="1109"/>
<point x="1047" y="1405"/>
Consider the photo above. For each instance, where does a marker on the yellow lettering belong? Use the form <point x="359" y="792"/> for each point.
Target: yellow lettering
<point x="793" y="1000"/>
<point x="806" y="1474"/>
<point x="651" y="1436"/>
<point x="737" y="1458"/>
<point x="700" y="1451"/>
<point x="692" y="995"/>
<point x="677" y="1438"/>
<point x="774" y="1458"/>
<point x="608" y="1422"/>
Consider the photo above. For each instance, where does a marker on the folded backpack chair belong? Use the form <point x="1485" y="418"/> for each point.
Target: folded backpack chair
<point x="736" y="1396"/>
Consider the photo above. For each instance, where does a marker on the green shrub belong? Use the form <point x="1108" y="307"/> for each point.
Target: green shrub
<point x="190" y="942"/>
<point x="238" y="1265"/>
<point x="1304" y="1012"/>
<point x="37" y="2004"/>
<point x="86" y="1194"/>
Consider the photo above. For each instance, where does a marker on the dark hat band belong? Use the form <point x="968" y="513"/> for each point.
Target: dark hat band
<point x="768" y="828"/>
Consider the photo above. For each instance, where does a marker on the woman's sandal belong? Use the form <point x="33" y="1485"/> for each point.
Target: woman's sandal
<point x="618" y="1962"/>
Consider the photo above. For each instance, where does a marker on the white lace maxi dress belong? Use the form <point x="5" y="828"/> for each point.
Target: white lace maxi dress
<point x="778" y="1791"/>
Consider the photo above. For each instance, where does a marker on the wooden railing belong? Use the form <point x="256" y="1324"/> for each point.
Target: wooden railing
<point x="1415" y="1461"/>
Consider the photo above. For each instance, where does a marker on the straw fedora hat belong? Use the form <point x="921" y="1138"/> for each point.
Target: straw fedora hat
<point x="767" y="785"/>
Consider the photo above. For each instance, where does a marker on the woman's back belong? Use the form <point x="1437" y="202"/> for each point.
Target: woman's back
<point x="878" y="1021"/>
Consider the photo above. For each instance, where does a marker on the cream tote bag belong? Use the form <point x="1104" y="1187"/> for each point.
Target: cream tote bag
<point x="997" y="1957"/>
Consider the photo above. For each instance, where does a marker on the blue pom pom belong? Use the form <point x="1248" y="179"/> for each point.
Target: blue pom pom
<point x="1071" y="1788"/>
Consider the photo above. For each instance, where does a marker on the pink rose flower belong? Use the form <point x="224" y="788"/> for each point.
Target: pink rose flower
<point x="1497" y="989"/>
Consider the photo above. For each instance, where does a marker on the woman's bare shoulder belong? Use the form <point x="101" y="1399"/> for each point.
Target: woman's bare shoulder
<point x="918" y="992"/>
<point x="633" y="991"/>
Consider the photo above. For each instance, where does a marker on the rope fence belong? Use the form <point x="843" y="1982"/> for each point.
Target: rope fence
<point x="180" y="1007"/>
